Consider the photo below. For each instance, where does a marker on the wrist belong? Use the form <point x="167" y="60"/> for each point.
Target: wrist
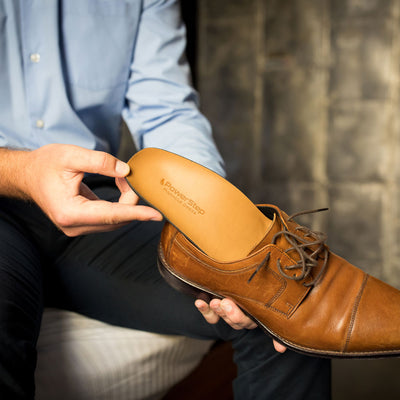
<point x="14" y="167"/>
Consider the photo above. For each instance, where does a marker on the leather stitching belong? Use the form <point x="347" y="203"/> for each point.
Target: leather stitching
<point x="354" y="312"/>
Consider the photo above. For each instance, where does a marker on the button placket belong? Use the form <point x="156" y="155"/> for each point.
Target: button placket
<point x="35" y="59"/>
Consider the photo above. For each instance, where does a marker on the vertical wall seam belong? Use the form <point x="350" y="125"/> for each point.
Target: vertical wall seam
<point x="321" y="178"/>
<point x="390" y="199"/>
<point x="256" y="151"/>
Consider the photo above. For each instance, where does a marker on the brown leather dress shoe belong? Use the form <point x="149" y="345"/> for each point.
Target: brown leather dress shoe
<point x="281" y="274"/>
<point x="299" y="292"/>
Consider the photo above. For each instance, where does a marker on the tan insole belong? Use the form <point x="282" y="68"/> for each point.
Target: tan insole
<point x="210" y="211"/>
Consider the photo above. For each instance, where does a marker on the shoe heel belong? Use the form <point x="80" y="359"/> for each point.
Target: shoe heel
<point x="181" y="286"/>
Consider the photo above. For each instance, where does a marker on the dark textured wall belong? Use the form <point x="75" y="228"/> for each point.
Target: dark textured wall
<point x="304" y="99"/>
<point x="303" y="96"/>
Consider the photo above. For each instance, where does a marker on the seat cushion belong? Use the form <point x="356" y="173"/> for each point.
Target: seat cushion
<point x="81" y="358"/>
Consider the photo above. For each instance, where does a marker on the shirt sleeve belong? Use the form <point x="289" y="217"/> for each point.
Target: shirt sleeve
<point x="161" y="108"/>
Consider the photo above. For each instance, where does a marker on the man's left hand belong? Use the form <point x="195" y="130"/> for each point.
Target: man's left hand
<point x="228" y="310"/>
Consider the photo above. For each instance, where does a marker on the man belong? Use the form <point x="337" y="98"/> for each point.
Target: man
<point x="70" y="237"/>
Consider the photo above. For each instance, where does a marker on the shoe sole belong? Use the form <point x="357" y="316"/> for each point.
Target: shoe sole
<point x="216" y="216"/>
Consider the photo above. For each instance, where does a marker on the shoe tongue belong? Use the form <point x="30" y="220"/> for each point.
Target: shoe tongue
<point x="275" y="227"/>
<point x="280" y="219"/>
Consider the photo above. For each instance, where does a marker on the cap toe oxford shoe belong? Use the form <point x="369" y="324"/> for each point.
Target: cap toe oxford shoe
<point x="299" y="292"/>
<point x="217" y="243"/>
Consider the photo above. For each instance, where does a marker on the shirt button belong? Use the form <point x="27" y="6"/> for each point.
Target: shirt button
<point x="40" y="123"/>
<point x="35" y="57"/>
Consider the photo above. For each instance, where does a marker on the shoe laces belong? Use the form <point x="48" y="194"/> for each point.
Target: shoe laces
<point x="310" y="247"/>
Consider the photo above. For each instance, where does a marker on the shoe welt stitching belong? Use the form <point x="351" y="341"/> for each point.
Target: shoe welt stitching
<point x="354" y="312"/>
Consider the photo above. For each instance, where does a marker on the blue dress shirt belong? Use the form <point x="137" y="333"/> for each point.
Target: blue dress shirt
<point x="70" y="69"/>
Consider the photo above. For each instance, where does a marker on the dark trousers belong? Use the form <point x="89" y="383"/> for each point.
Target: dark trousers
<point x="113" y="277"/>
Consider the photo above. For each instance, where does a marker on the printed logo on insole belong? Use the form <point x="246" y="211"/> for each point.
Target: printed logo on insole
<point x="181" y="198"/>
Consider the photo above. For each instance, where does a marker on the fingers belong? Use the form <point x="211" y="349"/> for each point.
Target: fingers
<point x="209" y="315"/>
<point x="232" y="314"/>
<point x="96" y="162"/>
<point x="227" y="310"/>
<point x="57" y="172"/>
<point x="87" y="216"/>
<point x="85" y="191"/>
<point x="128" y="196"/>
<point x="280" y="348"/>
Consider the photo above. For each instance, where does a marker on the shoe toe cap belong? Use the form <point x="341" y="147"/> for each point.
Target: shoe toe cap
<point x="375" y="324"/>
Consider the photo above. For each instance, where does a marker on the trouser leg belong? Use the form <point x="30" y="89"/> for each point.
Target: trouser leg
<point x="264" y="373"/>
<point x="21" y="305"/>
<point x="113" y="277"/>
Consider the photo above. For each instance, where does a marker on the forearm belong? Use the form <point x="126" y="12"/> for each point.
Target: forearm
<point x="161" y="108"/>
<point x="13" y="166"/>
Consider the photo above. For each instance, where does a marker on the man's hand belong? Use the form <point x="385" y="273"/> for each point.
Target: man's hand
<point x="231" y="314"/>
<point x="53" y="179"/>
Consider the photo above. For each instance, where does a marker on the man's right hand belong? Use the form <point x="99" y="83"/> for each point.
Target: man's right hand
<point x="52" y="177"/>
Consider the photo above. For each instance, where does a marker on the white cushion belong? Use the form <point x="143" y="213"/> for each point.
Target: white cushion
<point x="80" y="358"/>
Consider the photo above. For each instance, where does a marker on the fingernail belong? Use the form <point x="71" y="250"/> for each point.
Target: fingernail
<point x="200" y="305"/>
<point x="157" y="217"/>
<point x="122" y="168"/>
<point x="227" y="307"/>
